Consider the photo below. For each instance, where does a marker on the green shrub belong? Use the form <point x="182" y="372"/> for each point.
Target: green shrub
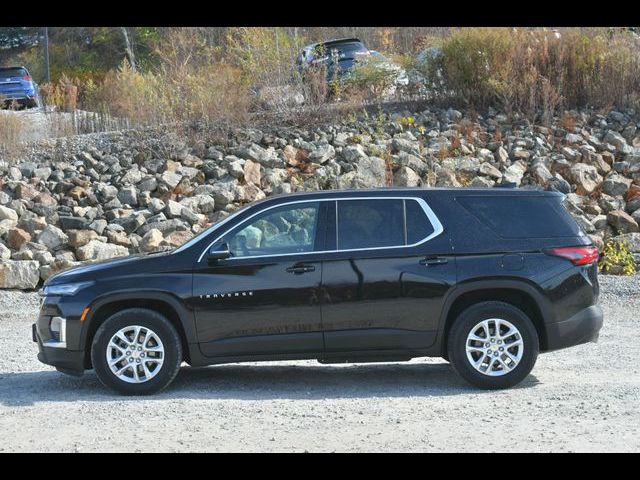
<point x="616" y="259"/>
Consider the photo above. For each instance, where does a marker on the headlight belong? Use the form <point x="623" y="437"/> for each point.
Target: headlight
<point x="65" y="289"/>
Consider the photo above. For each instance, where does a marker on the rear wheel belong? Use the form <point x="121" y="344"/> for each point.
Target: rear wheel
<point x="493" y="345"/>
<point x="136" y="352"/>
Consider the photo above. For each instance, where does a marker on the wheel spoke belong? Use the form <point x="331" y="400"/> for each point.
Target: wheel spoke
<point x="116" y="360"/>
<point x="476" y="338"/>
<point x="122" y="369"/>
<point x="504" y="365"/>
<point x="515" y="343"/>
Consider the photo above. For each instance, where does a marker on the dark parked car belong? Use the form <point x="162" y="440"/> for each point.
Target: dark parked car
<point x="17" y="86"/>
<point x="338" y="57"/>
<point x="484" y="278"/>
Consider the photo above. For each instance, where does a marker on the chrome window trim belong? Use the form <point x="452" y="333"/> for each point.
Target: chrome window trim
<point x="431" y="216"/>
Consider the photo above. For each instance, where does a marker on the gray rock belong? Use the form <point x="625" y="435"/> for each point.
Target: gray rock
<point x="322" y="154"/>
<point x="585" y="177"/>
<point x="514" y="173"/>
<point x="631" y="239"/>
<point x="173" y="209"/>
<point x="353" y="153"/>
<point x="406" y="177"/>
<point x="96" y="250"/>
<point x="403" y="145"/>
<point x="370" y="172"/>
<point x="489" y="170"/>
<point x="264" y="156"/>
<point x="501" y="156"/>
<point x="151" y="241"/>
<point x="616" y="185"/>
<point x="22" y="274"/>
<point x="170" y="179"/>
<point x="128" y="196"/>
<point x="74" y="223"/>
<point x="618" y="141"/>
<point x="52" y="237"/>
<point x="622" y="221"/>
<point x="8" y="214"/>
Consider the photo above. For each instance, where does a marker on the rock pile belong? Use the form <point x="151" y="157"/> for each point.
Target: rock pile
<point x="109" y="195"/>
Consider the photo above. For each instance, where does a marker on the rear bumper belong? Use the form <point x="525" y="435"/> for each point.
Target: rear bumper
<point x="582" y="327"/>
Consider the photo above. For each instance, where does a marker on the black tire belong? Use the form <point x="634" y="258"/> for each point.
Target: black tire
<point x="467" y="320"/>
<point x="144" y="318"/>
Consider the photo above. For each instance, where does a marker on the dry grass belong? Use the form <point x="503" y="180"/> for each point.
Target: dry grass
<point x="12" y="130"/>
<point x="537" y="73"/>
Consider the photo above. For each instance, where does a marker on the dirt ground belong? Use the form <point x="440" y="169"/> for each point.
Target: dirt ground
<point x="586" y="398"/>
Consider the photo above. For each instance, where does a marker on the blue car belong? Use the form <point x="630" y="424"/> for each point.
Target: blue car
<point x="18" y="88"/>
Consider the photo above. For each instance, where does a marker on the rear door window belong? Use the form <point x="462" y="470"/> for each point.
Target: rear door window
<point x="370" y="223"/>
<point x="374" y="223"/>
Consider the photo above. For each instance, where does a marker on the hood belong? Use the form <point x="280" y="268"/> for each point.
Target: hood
<point x="106" y="268"/>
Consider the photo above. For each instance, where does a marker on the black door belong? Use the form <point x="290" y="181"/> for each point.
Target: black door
<point x="384" y="286"/>
<point x="263" y="299"/>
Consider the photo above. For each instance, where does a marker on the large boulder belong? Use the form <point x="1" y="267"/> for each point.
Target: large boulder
<point x="631" y="239"/>
<point x="96" y="250"/>
<point x="22" y="274"/>
<point x="52" y="237"/>
<point x="370" y="172"/>
<point x="151" y="240"/>
<point x="585" y="177"/>
<point x="622" y="221"/>
<point x="616" y="185"/>
<point x="7" y="213"/>
<point x="406" y="177"/>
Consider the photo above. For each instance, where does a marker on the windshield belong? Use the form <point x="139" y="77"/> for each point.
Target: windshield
<point x="209" y="230"/>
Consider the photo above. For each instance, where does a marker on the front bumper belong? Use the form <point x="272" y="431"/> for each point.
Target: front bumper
<point x="56" y="354"/>
<point x="582" y="327"/>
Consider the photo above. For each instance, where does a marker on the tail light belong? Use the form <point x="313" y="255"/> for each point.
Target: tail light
<point x="27" y="78"/>
<point x="576" y="255"/>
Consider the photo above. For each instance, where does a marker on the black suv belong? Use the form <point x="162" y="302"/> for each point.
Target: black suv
<point x="484" y="278"/>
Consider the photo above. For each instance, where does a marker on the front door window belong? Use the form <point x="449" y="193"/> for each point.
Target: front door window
<point x="283" y="230"/>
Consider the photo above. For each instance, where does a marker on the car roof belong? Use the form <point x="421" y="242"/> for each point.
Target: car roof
<point x="13" y="67"/>
<point x="334" y="42"/>
<point x="407" y="191"/>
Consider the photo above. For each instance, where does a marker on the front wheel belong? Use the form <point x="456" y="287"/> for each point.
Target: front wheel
<point x="136" y="352"/>
<point x="493" y="345"/>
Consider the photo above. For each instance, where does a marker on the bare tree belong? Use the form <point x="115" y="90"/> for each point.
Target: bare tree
<point x="129" y="48"/>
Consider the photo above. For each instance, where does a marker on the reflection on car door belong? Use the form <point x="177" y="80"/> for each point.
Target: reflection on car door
<point x="384" y="286"/>
<point x="265" y="298"/>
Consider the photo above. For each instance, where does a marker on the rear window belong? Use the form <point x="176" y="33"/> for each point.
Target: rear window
<point x="347" y="49"/>
<point x="522" y="216"/>
<point x="12" y="72"/>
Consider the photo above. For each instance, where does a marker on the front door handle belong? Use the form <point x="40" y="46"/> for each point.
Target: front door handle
<point x="434" y="261"/>
<point x="300" y="269"/>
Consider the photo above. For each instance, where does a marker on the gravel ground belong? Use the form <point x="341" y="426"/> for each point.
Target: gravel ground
<point x="586" y="398"/>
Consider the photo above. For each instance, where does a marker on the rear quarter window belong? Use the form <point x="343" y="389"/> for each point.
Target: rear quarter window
<point x="522" y="216"/>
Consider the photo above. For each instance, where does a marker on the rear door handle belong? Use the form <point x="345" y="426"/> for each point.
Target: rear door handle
<point x="299" y="269"/>
<point x="434" y="261"/>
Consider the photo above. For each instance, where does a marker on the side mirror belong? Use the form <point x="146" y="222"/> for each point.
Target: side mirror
<point x="219" y="252"/>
